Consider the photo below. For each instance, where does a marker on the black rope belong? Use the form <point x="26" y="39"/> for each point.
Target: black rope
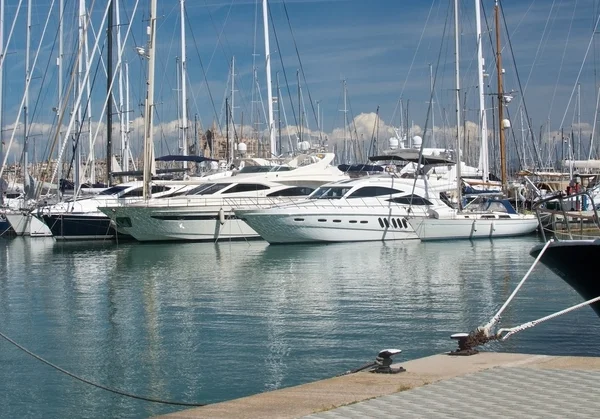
<point x="100" y="386"/>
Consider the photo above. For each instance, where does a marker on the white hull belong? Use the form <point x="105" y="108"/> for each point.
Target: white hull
<point x="379" y="224"/>
<point x="148" y="224"/>
<point x="27" y="225"/>
<point x="472" y="227"/>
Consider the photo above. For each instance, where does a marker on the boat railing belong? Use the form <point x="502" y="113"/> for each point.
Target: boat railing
<point x="573" y="216"/>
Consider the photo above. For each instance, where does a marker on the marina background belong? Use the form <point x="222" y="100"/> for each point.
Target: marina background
<point x="203" y="322"/>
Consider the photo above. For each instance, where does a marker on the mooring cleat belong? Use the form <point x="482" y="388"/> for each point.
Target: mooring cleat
<point x="465" y="345"/>
<point x="383" y="362"/>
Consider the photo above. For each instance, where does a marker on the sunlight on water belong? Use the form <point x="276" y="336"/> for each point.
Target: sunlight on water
<point x="206" y="323"/>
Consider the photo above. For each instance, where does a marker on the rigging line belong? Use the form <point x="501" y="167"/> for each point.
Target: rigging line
<point x="10" y="34"/>
<point x="539" y="45"/>
<point x="312" y="105"/>
<point x="580" y="71"/>
<point x="164" y="64"/>
<point x="219" y="32"/>
<point x="212" y="101"/>
<point x="512" y="53"/>
<point x="414" y="55"/>
<point x="100" y="386"/>
<point x="27" y="85"/>
<point x="430" y="106"/>
<point x="287" y="84"/>
<point x="37" y="101"/>
<point x="562" y="60"/>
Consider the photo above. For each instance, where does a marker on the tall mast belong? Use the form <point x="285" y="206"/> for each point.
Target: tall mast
<point x="483" y="150"/>
<point x="432" y="108"/>
<point x="26" y="105"/>
<point x="109" y="103"/>
<point x="184" y="117"/>
<point x="80" y="83"/>
<point x="346" y="151"/>
<point x="457" y="81"/>
<point x="122" y="112"/>
<point x="88" y="113"/>
<point x="149" y="108"/>
<point x="272" y="141"/>
<point x="61" y="11"/>
<point x="501" y="122"/>
<point x="232" y="106"/>
<point x="1" y="83"/>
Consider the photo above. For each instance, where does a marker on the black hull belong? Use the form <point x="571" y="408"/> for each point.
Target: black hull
<point x="81" y="227"/>
<point x="572" y="260"/>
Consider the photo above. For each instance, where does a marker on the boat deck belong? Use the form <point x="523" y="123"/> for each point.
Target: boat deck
<point x="484" y="385"/>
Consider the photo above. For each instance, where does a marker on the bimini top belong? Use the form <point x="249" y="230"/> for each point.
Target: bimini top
<point x="360" y="168"/>
<point x="412" y="156"/>
<point x="174" y="157"/>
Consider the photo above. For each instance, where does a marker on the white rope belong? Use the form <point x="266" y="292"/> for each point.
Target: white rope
<point x="496" y="318"/>
<point x="511" y="331"/>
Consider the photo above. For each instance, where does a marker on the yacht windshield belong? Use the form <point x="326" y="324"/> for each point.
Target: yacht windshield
<point x="330" y="192"/>
<point x="114" y="190"/>
<point x="208" y="188"/>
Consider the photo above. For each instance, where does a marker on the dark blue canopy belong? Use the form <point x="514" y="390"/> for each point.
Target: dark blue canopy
<point x="173" y="157"/>
<point x="360" y="168"/>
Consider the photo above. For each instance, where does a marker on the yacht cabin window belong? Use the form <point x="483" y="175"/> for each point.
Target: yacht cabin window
<point x="370" y="191"/>
<point x="113" y="190"/>
<point x="410" y="200"/>
<point x="293" y="191"/>
<point x="246" y="187"/>
<point x="208" y="188"/>
<point x="330" y="192"/>
<point x="137" y="192"/>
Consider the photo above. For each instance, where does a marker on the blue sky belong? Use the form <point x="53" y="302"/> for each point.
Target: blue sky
<point x="382" y="48"/>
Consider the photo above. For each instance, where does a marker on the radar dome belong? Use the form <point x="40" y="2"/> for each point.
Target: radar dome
<point x="242" y="148"/>
<point x="304" y="146"/>
<point x="505" y="123"/>
<point x="394" y="142"/>
<point x="417" y="141"/>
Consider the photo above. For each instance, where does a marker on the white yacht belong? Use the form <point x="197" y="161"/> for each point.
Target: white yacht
<point x="484" y="217"/>
<point x="80" y="219"/>
<point x="206" y="213"/>
<point x="362" y="209"/>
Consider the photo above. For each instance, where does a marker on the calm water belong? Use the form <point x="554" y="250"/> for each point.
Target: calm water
<point x="207" y="323"/>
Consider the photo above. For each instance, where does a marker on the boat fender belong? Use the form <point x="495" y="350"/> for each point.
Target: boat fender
<point x="222" y="216"/>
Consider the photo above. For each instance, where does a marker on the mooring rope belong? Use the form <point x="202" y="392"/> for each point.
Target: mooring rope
<point x="100" y="386"/>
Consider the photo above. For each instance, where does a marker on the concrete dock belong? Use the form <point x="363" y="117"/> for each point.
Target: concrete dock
<point x="487" y="384"/>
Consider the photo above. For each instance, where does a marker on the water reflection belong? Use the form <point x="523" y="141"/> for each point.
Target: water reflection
<point x="206" y="322"/>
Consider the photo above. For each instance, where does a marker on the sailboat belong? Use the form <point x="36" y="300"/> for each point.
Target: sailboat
<point x="493" y="217"/>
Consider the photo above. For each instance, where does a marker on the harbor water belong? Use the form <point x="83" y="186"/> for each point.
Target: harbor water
<point x="204" y="322"/>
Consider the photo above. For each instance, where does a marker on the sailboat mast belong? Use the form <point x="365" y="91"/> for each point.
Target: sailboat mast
<point x="122" y="113"/>
<point x="483" y="150"/>
<point x="272" y="141"/>
<point x="230" y="143"/>
<point x="61" y="11"/>
<point x="149" y="108"/>
<point x="184" y="117"/>
<point x="26" y="106"/>
<point x="1" y="84"/>
<point x="109" y="103"/>
<point x="501" y="122"/>
<point x="457" y="81"/>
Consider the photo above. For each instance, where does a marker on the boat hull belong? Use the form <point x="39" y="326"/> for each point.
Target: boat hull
<point x="25" y="224"/>
<point x="570" y="260"/>
<point x="303" y="227"/>
<point x="80" y="227"/>
<point x="472" y="228"/>
<point x="180" y="224"/>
